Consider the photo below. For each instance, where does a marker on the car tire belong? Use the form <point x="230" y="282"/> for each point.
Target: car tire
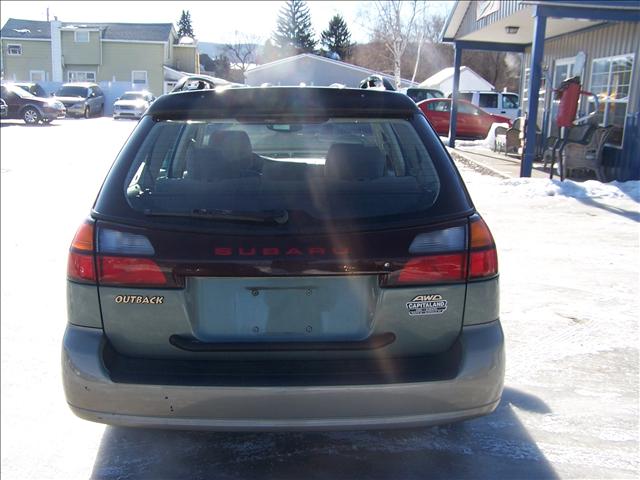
<point x="87" y="112"/>
<point x="31" y="116"/>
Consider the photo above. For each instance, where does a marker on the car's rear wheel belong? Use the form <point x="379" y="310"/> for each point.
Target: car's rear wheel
<point x="31" y="116"/>
<point x="87" y="112"/>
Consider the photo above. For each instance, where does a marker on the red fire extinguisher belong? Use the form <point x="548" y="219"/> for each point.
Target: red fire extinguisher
<point x="568" y="93"/>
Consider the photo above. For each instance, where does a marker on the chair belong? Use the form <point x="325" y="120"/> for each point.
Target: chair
<point x="588" y="155"/>
<point x="551" y="144"/>
<point x="508" y="139"/>
<point x="580" y="134"/>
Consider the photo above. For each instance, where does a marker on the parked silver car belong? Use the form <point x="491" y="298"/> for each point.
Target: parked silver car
<point x="81" y="99"/>
<point x="132" y="104"/>
<point x="283" y="258"/>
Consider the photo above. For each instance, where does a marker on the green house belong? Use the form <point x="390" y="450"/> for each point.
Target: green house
<point x="144" y="55"/>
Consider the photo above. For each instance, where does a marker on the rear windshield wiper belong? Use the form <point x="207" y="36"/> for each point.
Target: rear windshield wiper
<point x="279" y="217"/>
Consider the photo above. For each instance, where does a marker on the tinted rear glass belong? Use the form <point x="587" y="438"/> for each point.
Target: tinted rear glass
<point x="488" y="100"/>
<point x="72" y="92"/>
<point x="133" y="96"/>
<point x="419" y="94"/>
<point x="338" y="169"/>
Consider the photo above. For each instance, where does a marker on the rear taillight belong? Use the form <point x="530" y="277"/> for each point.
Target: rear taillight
<point x="441" y="258"/>
<point x="118" y="259"/>
<point x="130" y="271"/>
<point x="81" y="262"/>
<point x="431" y="269"/>
<point x="123" y="260"/>
<point x="450" y="255"/>
<point x="483" y="258"/>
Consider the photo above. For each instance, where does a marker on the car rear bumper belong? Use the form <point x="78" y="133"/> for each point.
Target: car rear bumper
<point x="474" y="391"/>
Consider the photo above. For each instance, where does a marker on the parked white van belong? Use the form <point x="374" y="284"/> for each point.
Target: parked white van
<point x="500" y="103"/>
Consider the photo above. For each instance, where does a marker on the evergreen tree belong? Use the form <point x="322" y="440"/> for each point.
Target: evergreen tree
<point x="184" y="25"/>
<point x="337" y="38"/>
<point x="294" y="30"/>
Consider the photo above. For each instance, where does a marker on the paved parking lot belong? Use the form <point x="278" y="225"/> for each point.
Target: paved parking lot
<point x="569" y="277"/>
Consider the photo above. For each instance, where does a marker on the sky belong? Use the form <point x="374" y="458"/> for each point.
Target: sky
<point x="212" y="21"/>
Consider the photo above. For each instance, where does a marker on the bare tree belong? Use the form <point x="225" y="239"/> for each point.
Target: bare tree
<point x="428" y="27"/>
<point x="242" y="51"/>
<point x="396" y="24"/>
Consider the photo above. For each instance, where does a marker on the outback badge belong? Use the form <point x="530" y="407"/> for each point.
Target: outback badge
<point x="153" y="300"/>
<point x="432" y="304"/>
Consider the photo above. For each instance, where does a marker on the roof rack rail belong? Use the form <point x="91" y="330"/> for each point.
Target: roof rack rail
<point x="201" y="82"/>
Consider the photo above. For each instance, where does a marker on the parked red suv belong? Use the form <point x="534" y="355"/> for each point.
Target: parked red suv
<point x="473" y="122"/>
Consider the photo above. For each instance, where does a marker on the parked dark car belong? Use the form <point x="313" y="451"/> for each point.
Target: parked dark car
<point x="21" y="104"/>
<point x="472" y="122"/>
<point x="82" y="99"/>
<point x="3" y="108"/>
<point x="33" y="88"/>
<point x="283" y="258"/>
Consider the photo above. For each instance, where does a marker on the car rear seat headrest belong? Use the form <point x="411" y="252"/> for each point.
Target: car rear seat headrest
<point x="204" y="163"/>
<point x="353" y="161"/>
<point x="235" y="146"/>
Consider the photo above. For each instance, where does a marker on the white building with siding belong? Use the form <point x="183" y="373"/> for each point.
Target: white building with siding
<point x="469" y="80"/>
<point x="312" y="70"/>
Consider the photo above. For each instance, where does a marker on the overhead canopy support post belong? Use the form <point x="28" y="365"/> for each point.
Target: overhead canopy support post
<point x="535" y="78"/>
<point x="457" y="60"/>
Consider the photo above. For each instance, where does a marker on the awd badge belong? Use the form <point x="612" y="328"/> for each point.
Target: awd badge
<point x="427" y="305"/>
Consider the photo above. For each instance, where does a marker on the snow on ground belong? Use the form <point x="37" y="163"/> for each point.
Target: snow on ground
<point x="569" y="307"/>
<point x="531" y="187"/>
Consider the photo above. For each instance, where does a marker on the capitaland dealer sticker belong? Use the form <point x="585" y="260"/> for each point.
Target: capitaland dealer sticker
<point x="427" y="305"/>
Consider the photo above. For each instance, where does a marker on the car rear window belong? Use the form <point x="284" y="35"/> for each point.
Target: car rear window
<point x="419" y="94"/>
<point x="337" y="169"/>
<point x="72" y="92"/>
<point x="133" y="96"/>
<point x="488" y="100"/>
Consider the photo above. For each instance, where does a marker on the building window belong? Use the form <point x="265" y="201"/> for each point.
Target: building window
<point x="541" y="95"/>
<point x="563" y="69"/>
<point x="14" y="49"/>
<point x="81" y="36"/>
<point x="611" y="82"/>
<point x="76" y="76"/>
<point x="36" y="76"/>
<point x="139" y="77"/>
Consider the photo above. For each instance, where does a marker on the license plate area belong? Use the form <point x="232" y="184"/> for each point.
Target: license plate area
<point x="283" y="309"/>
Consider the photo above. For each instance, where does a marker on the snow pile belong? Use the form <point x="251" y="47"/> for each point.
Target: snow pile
<point x="488" y="142"/>
<point x="534" y="187"/>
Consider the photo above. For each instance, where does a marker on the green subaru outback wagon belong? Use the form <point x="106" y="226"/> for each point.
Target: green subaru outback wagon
<point x="282" y="258"/>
